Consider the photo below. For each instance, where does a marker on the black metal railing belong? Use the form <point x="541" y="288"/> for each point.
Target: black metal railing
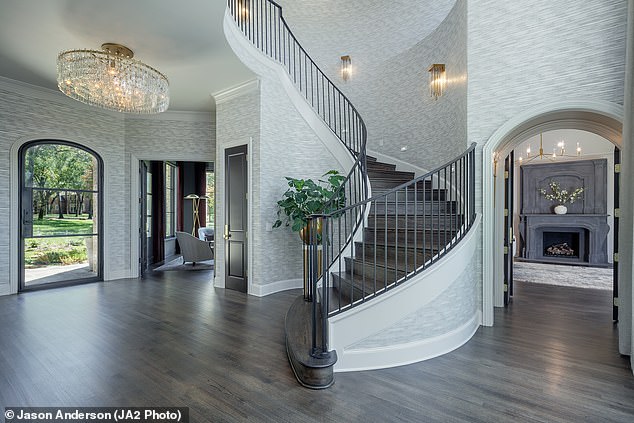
<point x="406" y="230"/>
<point x="262" y="22"/>
<point x="370" y="245"/>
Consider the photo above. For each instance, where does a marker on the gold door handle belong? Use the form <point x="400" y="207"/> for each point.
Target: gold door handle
<point x="226" y="235"/>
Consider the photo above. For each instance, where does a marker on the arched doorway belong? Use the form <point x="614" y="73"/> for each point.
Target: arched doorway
<point x="60" y="206"/>
<point x="601" y="118"/>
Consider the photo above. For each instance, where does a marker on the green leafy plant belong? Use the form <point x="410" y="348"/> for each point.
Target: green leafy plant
<point x="561" y="196"/>
<point x="305" y="197"/>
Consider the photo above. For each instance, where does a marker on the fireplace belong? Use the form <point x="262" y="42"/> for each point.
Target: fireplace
<point x="581" y="235"/>
<point x="585" y="235"/>
<point x="564" y="243"/>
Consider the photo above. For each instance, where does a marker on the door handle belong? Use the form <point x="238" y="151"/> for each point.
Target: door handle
<point x="226" y="235"/>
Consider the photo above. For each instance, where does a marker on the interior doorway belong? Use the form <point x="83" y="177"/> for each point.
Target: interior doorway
<point x="60" y="208"/>
<point x="172" y="196"/>
<point x="575" y="248"/>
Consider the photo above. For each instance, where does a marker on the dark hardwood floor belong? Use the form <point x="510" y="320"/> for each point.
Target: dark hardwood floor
<point x="174" y="340"/>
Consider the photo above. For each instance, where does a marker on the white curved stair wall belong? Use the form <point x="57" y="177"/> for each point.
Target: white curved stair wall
<point x="429" y="315"/>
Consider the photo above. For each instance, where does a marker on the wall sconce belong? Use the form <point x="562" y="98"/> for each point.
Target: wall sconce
<point x="437" y="80"/>
<point x="346" y="67"/>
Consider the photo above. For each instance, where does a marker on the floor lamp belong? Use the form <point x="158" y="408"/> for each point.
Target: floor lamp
<point x="195" y="205"/>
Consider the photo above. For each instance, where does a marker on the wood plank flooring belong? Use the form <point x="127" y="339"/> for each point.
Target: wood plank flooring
<point x="172" y="339"/>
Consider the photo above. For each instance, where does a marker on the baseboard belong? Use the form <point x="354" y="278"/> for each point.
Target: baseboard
<point x="5" y="290"/>
<point x="272" y="288"/>
<point x="114" y="275"/>
<point x="407" y="353"/>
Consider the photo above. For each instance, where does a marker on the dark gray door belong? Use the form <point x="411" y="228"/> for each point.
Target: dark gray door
<point x="615" y="234"/>
<point x="508" y="228"/>
<point x="235" y="230"/>
<point x="143" y="223"/>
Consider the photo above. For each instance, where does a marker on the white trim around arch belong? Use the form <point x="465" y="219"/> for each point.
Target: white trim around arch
<point x="601" y="117"/>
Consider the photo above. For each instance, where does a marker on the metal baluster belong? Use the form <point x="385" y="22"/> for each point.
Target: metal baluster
<point x="374" y="204"/>
<point x="416" y="227"/>
<point x="406" y="231"/>
<point x="445" y="205"/>
<point x="396" y="236"/>
<point x="385" y="244"/>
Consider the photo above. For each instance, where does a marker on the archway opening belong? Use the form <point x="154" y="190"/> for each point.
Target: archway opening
<point x="600" y="118"/>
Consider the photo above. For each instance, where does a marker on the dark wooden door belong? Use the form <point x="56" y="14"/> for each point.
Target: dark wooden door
<point x="508" y="228"/>
<point x="143" y="235"/>
<point x="615" y="234"/>
<point x="235" y="230"/>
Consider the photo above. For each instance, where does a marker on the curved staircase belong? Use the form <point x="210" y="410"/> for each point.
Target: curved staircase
<point x="371" y="246"/>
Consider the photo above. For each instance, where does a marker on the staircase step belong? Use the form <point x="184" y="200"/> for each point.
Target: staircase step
<point x="424" y="238"/>
<point x="370" y="159"/>
<point x="348" y="289"/>
<point x="382" y="184"/>
<point x="420" y="194"/>
<point x="391" y="270"/>
<point x="380" y="166"/>
<point x="387" y="182"/>
<point x="415" y="256"/>
<point x="383" y="174"/>
<point x="311" y="372"/>
<point x="411" y="208"/>
<point x="434" y="222"/>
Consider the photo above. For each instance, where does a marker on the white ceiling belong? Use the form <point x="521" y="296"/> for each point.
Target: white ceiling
<point x="183" y="39"/>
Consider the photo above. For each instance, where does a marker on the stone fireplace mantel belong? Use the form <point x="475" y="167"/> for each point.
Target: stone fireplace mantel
<point x="593" y="229"/>
<point x="585" y="225"/>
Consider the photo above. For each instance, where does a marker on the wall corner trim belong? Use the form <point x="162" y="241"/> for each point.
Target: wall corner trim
<point x="236" y="91"/>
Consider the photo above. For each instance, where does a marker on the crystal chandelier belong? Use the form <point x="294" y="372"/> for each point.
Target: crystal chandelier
<point x="112" y="79"/>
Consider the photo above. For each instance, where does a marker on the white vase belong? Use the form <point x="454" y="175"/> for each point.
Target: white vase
<point x="561" y="209"/>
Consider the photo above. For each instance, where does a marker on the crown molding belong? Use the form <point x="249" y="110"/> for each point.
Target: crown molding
<point x="42" y="93"/>
<point x="236" y="91"/>
<point x="176" y="115"/>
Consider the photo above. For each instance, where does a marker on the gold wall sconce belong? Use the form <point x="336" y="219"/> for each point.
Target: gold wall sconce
<point x="437" y="80"/>
<point x="346" y="67"/>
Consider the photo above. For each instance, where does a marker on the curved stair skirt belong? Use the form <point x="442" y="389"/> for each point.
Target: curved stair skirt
<point x="311" y="372"/>
<point x="361" y="322"/>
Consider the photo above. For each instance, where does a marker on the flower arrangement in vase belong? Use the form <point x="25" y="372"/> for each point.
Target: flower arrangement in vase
<point x="561" y="196"/>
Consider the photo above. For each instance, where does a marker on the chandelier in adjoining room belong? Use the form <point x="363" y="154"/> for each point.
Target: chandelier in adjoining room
<point x="112" y="79"/>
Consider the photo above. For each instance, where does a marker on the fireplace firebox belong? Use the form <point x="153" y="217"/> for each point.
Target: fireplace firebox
<point x="566" y="243"/>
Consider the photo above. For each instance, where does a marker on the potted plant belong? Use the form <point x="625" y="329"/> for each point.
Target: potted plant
<point x="305" y="197"/>
<point x="561" y="197"/>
